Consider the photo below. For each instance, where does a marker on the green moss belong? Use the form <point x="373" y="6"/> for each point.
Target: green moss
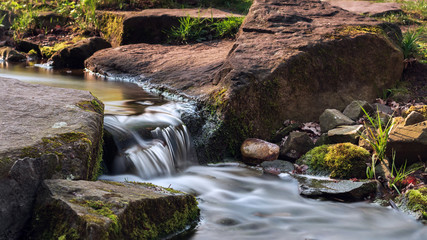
<point x="347" y="31"/>
<point x="417" y="200"/>
<point x="154" y="219"/>
<point x="346" y="160"/>
<point x="420" y="109"/>
<point x="343" y="160"/>
<point x="48" y="51"/>
<point x="113" y="183"/>
<point x="111" y="27"/>
<point x="315" y="159"/>
<point x="93" y="106"/>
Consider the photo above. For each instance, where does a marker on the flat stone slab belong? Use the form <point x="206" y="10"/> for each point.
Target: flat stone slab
<point x="183" y="68"/>
<point x="32" y="115"/>
<point x="331" y="189"/>
<point x="372" y="9"/>
<point x="110" y="210"/>
<point x="45" y="132"/>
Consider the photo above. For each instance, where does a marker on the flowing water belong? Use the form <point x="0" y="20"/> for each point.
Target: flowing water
<point x="151" y="143"/>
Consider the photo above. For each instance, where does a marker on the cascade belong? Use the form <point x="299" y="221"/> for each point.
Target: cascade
<point x="154" y="143"/>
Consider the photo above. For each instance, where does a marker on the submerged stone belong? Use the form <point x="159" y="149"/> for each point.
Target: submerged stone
<point x="341" y="190"/>
<point x="110" y="210"/>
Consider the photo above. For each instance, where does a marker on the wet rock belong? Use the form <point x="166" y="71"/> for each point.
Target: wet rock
<point x="341" y="190"/>
<point x="373" y="9"/>
<point x="354" y="109"/>
<point x="415" y="202"/>
<point x="277" y="166"/>
<point x="11" y="55"/>
<point x="27" y="46"/>
<point x="414" y="118"/>
<point x="75" y="55"/>
<point x="342" y="160"/>
<point x="332" y="118"/>
<point x="290" y="61"/>
<point x="343" y="134"/>
<point x="110" y="210"/>
<point x="256" y="151"/>
<point x="296" y="145"/>
<point x="409" y="142"/>
<point x="150" y="25"/>
<point x="39" y="121"/>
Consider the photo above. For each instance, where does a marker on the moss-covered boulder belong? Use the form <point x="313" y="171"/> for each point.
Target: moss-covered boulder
<point x="341" y="190"/>
<point x="74" y="56"/>
<point x="46" y="133"/>
<point x="342" y="160"/>
<point x="109" y="210"/>
<point x="415" y="201"/>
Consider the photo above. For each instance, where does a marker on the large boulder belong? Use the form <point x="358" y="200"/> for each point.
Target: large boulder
<point x="109" y="210"/>
<point x="46" y="133"/>
<point x="75" y="55"/>
<point x="292" y="60"/>
<point x="150" y="25"/>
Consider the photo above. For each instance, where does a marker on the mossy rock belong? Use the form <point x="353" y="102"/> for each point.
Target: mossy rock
<point x="109" y="210"/>
<point x="343" y="160"/>
<point x="420" y="109"/>
<point x="415" y="201"/>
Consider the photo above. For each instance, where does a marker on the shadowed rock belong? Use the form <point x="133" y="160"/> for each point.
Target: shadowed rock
<point x="46" y="133"/>
<point x="342" y="190"/>
<point x="110" y="210"/>
<point x="150" y="25"/>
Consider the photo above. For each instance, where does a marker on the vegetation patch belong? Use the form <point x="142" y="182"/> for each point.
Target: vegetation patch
<point x="48" y="51"/>
<point x="343" y="160"/>
<point x="93" y="106"/>
<point x="199" y="29"/>
<point x="417" y="201"/>
<point x="347" y="31"/>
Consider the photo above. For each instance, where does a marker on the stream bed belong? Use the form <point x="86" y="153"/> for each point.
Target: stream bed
<point x="236" y="202"/>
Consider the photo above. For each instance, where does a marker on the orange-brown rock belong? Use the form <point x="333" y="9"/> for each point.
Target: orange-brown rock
<point x="256" y="151"/>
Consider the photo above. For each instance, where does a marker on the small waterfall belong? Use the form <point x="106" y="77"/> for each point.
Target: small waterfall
<point x="155" y="143"/>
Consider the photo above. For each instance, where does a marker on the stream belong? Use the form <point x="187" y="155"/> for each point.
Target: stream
<point x="152" y="144"/>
